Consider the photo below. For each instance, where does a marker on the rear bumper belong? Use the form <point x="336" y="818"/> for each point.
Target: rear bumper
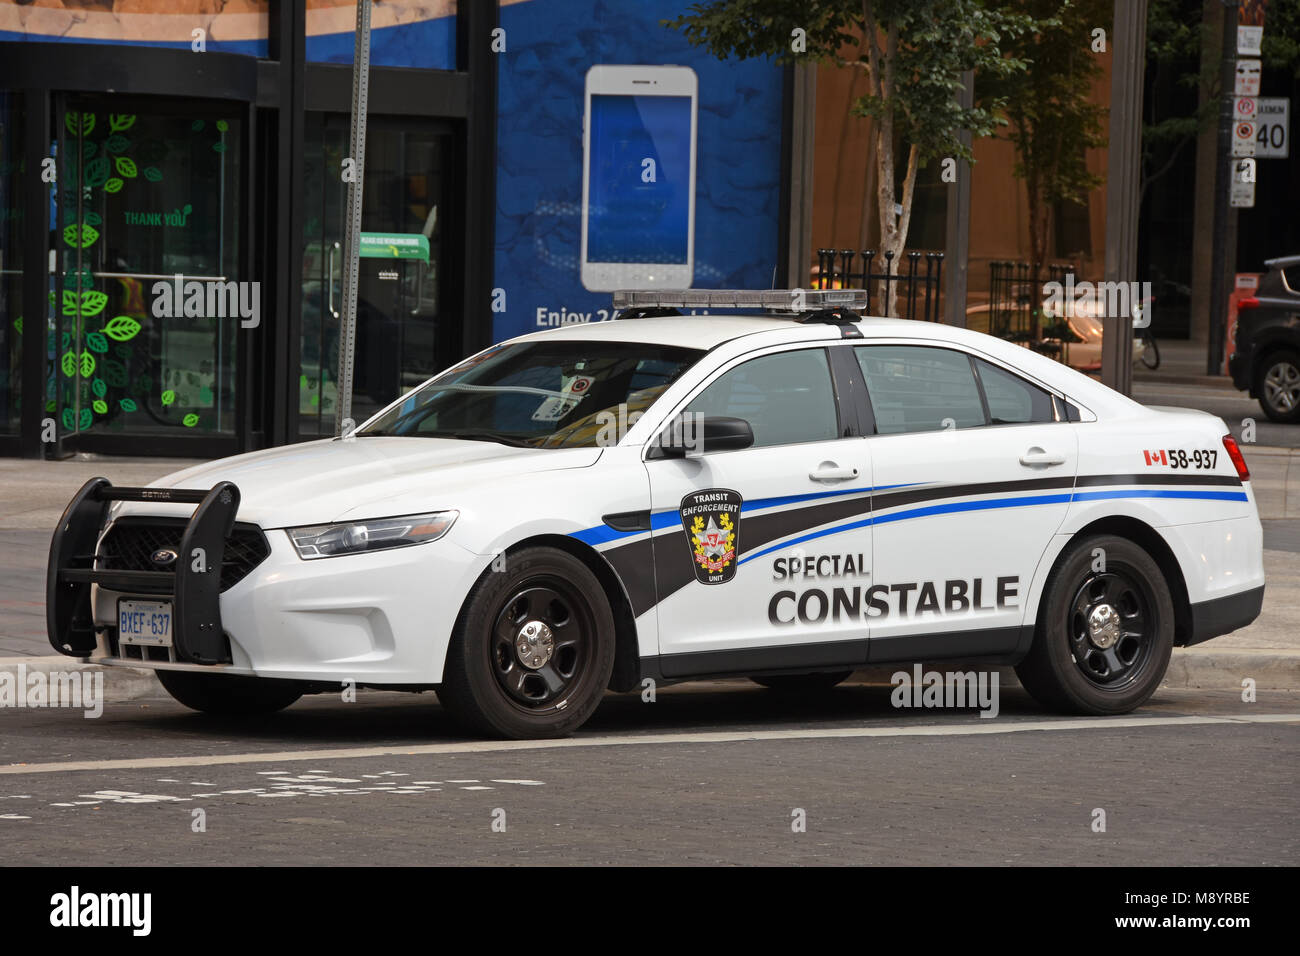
<point x="1239" y="369"/>
<point x="1225" y="614"/>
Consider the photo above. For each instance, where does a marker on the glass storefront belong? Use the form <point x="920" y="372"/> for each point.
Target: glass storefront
<point x="148" y="291"/>
<point x="403" y="337"/>
<point x="12" y="211"/>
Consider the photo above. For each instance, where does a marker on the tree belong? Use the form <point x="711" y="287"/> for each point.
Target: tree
<point x="1052" y="119"/>
<point x="913" y="52"/>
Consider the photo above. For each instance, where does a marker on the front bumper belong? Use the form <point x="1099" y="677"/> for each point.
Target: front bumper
<point x="381" y="617"/>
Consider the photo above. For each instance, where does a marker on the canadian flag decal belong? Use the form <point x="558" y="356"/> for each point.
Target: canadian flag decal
<point x="1155" y="457"/>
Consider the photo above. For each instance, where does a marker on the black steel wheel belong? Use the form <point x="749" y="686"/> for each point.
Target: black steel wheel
<point x="533" y="649"/>
<point x="1105" y="629"/>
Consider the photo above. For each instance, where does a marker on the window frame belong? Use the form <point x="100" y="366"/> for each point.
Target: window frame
<point x="844" y="398"/>
<point x="1063" y="410"/>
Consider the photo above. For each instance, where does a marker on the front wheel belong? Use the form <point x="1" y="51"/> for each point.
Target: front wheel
<point x="227" y="696"/>
<point x="533" y="650"/>
<point x="1105" y="631"/>
<point x="1151" y="352"/>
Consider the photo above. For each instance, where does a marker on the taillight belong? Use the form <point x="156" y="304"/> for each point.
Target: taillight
<point x="1237" y="459"/>
<point x="1250" y="302"/>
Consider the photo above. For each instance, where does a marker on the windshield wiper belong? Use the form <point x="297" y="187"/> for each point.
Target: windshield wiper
<point x="482" y="436"/>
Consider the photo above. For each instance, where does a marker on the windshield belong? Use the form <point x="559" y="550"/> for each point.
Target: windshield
<point x="556" y="394"/>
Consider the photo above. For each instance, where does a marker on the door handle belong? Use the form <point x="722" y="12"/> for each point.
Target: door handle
<point x="829" y="471"/>
<point x="329" y="278"/>
<point x="1036" y="456"/>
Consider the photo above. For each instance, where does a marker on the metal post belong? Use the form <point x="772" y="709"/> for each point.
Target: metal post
<point x="352" y="235"/>
<point x="1123" y="172"/>
<point x="957" y="233"/>
<point x="802" y="154"/>
<point x="1222" y="260"/>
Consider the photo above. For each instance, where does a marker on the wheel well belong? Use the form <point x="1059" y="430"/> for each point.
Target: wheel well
<point x="1143" y="535"/>
<point x="1264" y="351"/>
<point x="627" y="652"/>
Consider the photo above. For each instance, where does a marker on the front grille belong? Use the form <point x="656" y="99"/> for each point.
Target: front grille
<point x="131" y="542"/>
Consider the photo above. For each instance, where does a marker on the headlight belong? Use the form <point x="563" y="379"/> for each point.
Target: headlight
<point x="378" y="534"/>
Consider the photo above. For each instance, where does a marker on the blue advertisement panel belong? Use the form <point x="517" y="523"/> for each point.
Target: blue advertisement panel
<point x="681" y="116"/>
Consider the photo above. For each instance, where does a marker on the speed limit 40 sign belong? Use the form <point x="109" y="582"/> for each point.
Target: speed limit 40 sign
<point x="1273" y="128"/>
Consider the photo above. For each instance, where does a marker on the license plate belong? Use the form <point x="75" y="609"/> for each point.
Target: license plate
<point x="145" y="622"/>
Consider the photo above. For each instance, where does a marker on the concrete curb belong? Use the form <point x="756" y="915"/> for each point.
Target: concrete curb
<point x="1190" y="668"/>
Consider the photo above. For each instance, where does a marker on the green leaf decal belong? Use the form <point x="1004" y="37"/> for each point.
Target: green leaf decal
<point x="49" y="406"/>
<point x="69" y="365"/>
<point x="114" y="372"/>
<point x="144" y="383"/>
<point x="97" y="342"/>
<point x="122" y="351"/>
<point x="125" y="167"/>
<point x="80" y="237"/>
<point x="127" y="404"/>
<point x="100" y="406"/>
<point x="190" y="420"/>
<point x="205" y="395"/>
<point x="121" y="328"/>
<point x="66" y="340"/>
<point x="18" y="325"/>
<point x="97" y="171"/>
<point x="87" y="365"/>
<point x="68" y="420"/>
<point x="86" y="418"/>
<point x="93" y="302"/>
<point x="219" y="147"/>
<point x="152" y="174"/>
<point x="81" y="123"/>
<point x="88" y="149"/>
<point x="114" y="185"/>
<point x="99" y="388"/>
<point x="222" y="125"/>
<point x="120" y="121"/>
<point x="197" y="126"/>
<point x="92" y="219"/>
<point x="168" y="397"/>
<point x="117" y="144"/>
<point x="71" y="304"/>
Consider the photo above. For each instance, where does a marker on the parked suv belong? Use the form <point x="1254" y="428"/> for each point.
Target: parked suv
<point x="1267" y="357"/>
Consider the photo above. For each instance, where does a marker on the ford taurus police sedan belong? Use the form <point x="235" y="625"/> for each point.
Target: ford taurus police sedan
<point x="788" y="495"/>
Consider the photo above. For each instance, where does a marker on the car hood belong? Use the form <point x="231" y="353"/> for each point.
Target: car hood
<point x="329" y="480"/>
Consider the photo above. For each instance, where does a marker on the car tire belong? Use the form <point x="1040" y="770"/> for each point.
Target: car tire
<point x="1276" y="376"/>
<point x="228" y="696"/>
<point x="802" y="683"/>
<point x="533" y="648"/>
<point x="1086" y="659"/>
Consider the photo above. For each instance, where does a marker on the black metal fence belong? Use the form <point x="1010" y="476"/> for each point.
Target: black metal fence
<point x="1015" y="305"/>
<point x="918" y="288"/>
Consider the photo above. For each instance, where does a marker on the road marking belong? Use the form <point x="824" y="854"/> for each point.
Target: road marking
<point x="977" y="727"/>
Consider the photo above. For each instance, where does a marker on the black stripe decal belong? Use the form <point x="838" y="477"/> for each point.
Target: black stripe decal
<point x="669" y="554"/>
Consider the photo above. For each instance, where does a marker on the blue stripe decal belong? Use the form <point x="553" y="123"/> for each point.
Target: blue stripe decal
<point x="602" y="533"/>
<point x="997" y="503"/>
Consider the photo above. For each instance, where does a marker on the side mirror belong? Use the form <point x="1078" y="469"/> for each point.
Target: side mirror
<point x="689" y="436"/>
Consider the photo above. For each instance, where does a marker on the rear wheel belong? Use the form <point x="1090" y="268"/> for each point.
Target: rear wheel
<point x="803" y="683"/>
<point x="534" y="648"/>
<point x="229" y="696"/>
<point x="1277" y="385"/>
<point x="1105" y="632"/>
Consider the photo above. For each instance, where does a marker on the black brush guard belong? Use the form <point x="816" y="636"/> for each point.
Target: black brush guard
<point x="194" y="581"/>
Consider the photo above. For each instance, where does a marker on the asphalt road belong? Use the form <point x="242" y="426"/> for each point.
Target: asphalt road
<point x="708" y="773"/>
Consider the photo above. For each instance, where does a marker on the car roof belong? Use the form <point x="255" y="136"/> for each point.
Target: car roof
<point x="710" y="331"/>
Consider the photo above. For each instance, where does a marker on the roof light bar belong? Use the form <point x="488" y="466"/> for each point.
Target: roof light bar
<point x="770" y="300"/>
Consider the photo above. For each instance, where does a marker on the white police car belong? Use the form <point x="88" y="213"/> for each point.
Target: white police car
<point x="784" y="496"/>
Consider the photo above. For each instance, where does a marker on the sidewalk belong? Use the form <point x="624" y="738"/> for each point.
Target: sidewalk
<point x="33" y="495"/>
<point x="1181" y="363"/>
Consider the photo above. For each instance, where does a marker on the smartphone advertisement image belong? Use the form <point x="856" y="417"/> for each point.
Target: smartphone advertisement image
<point x="639" y="178"/>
